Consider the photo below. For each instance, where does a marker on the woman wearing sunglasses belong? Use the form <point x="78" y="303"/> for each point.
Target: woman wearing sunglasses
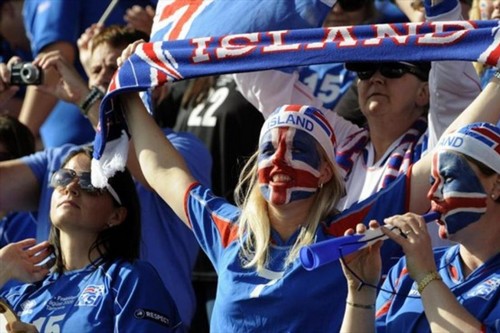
<point x="450" y="289"/>
<point x="97" y="284"/>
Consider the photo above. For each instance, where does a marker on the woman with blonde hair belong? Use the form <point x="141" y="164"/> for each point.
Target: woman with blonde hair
<point x="286" y="190"/>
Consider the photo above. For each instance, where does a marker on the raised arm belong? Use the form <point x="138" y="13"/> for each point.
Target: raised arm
<point x="436" y="296"/>
<point x="161" y="164"/>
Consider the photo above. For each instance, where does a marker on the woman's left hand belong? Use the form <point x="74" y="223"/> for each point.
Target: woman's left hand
<point x="415" y="241"/>
<point x="365" y="264"/>
<point x="21" y="260"/>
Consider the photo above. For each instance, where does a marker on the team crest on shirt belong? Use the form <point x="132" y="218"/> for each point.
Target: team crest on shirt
<point x="91" y="295"/>
<point x="485" y="289"/>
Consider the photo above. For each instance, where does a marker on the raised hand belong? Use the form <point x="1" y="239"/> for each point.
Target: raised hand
<point x="70" y="87"/>
<point x="84" y="44"/>
<point x="140" y="18"/>
<point x="128" y="51"/>
<point x="21" y="261"/>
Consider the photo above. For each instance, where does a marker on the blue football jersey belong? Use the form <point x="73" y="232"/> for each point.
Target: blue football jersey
<point x="109" y="297"/>
<point x="478" y="293"/>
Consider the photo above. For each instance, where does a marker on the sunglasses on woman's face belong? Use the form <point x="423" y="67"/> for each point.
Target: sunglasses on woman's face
<point x="63" y="177"/>
<point x="390" y="71"/>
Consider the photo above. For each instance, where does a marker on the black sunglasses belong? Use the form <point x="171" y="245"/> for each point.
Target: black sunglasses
<point x="352" y="5"/>
<point x="390" y="71"/>
<point x="63" y="177"/>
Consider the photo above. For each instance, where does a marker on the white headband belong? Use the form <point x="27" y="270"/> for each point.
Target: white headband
<point x="480" y="141"/>
<point x="306" y="118"/>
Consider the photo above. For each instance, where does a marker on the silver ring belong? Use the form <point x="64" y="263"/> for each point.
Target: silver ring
<point x="407" y="232"/>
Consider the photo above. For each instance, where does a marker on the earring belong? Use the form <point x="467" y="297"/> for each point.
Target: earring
<point x="320" y="186"/>
<point x="110" y="225"/>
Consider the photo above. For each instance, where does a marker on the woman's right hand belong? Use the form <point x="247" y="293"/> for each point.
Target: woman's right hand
<point x="365" y="264"/>
<point x="21" y="260"/>
<point x="128" y="51"/>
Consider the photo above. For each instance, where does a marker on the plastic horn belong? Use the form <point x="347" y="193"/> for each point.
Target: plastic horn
<point x="319" y="254"/>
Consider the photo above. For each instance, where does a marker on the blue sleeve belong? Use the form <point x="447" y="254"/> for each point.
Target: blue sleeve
<point x="49" y="21"/>
<point x="212" y="220"/>
<point x="195" y="153"/>
<point x="143" y="304"/>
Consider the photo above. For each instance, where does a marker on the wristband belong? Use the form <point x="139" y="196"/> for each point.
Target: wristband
<point x="361" y="306"/>
<point x="94" y="95"/>
<point x="428" y="278"/>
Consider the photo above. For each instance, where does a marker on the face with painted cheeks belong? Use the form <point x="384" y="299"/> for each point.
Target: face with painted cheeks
<point x="456" y="192"/>
<point x="289" y="164"/>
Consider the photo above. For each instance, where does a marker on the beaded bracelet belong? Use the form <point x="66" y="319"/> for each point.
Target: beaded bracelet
<point x="94" y="95"/>
<point x="361" y="306"/>
<point x="431" y="276"/>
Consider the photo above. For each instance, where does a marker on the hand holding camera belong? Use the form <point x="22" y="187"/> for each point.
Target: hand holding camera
<point x="25" y="73"/>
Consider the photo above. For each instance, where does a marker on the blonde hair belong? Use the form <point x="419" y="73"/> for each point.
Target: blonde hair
<point x="255" y="227"/>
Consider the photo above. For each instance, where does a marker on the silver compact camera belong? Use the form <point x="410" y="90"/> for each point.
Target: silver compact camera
<point x="25" y="73"/>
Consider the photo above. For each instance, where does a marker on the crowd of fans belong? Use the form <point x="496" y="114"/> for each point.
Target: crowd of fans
<point x="202" y="231"/>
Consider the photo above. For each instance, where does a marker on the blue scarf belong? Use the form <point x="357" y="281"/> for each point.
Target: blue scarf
<point x="156" y="63"/>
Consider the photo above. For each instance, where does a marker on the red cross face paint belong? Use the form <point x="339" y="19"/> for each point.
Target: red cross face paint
<point x="289" y="163"/>
<point x="456" y="192"/>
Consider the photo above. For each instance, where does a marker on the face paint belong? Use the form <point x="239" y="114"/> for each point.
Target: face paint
<point x="456" y="192"/>
<point x="289" y="164"/>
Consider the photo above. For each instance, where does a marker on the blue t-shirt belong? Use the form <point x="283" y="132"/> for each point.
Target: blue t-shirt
<point x="166" y="242"/>
<point x="279" y="299"/>
<point x="479" y="293"/>
<point x="50" y="21"/>
<point x="15" y="227"/>
<point x="114" y="297"/>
